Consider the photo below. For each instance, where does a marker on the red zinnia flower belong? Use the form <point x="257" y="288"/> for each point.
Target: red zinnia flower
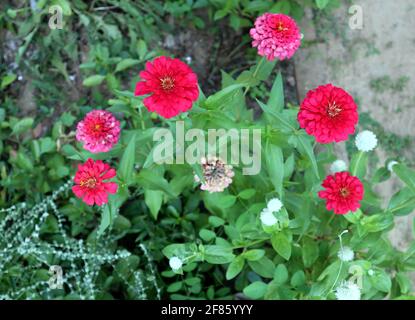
<point x="172" y="85"/>
<point x="329" y="114"/>
<point x="99" y="131"/>
<point x="90" y="185"/>
<point x="343" y="192"/>
<point x="276" y="36"/>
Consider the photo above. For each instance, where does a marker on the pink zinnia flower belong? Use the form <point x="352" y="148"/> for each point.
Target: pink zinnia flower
<point x="343" y="192"/>
<point x="99" y="131"/>
<point x="329" y="114"/>
<point x="276" y="36"/>
<point x="90" y="185"/>
<point x="172" y="85"/>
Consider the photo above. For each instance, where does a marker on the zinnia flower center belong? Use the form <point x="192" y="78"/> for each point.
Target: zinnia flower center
<point x="167" y="83"/>
<point x="281" y="27"/>
<point x="344" y="192"/>
<point x="89" y="183"/>
<point x="333" y="110"/>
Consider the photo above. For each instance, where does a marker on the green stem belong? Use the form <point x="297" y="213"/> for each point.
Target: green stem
<point x="255" y="73"/>
<point x="356" y="165"/>
<point x="341" y="265"/>
<point x="143" y="125"/>
<point x="250" y="244"/>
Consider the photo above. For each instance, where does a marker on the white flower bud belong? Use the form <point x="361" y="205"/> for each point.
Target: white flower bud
<point x="274" y="205"/>
<point x="348" y="291"/>
<point x="345" y="254"/>
<point x="267" y="218"/>
<point x="175" y="263"/>
<point x="338" y="166"/>
<point x="366" y="141"/>
<point x="391" y="164"/>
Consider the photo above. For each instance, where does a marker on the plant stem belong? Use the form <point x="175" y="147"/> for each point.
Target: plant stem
<point x="250" y="244"/>
<point x="354" y="172"/>
<point x="258" y="65"/>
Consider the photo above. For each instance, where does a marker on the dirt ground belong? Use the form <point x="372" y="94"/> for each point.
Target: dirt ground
<point x="376" y="65"/>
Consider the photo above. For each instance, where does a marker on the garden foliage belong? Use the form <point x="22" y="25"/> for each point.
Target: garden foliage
<point x="219" y="244"/>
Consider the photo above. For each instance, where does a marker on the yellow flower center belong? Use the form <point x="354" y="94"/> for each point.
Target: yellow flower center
<point x="89" y="183"/>
<point x="280" y="27"/>
<point x="344" y="192"/>
<point x="167" y="83"/>
<point x="333" y="110"/>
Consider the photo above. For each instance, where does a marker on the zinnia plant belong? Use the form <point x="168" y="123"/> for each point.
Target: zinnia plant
<point x="293" y="230"/>
<point x="190" y="195"/>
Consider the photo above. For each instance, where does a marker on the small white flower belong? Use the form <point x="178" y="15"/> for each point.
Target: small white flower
<point x="175" y="263"/>
<point x="345" y="254"/>
<point x="366" y="141"/>
<point x="188" y="59"/>
<point x="391" y="164"/>
<point x="274" y="205"/>
<point x="347" y="291"/>
<point x="267" y="218"/>
<point x="370" y="272"/>
<point x="338" y="166"/>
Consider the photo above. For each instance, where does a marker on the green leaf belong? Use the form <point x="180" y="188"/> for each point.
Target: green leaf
<point x="279" y="118"/>
<point x="93" y="80"/>
<point x="125" y="64"/>
<point x="275" y="166"/>
<point x="402" y="203"/>
<point x="276" y="98"/>
<point x="220" y="98"/>
<point x="306" y="149"/>
<point x="207" y="235"/>
<point x="263" y="68"/>
<point x="381" y="281"/>
<point x="281" y="244"/>
<point x="6" y="80"/>
<point x="354" y="217"/>
<point x="282" y="6"/>
<point x="176" y="249"/>
<point x="358" y="164"/>
<point x="404" y="282"/>
<point x="153" y="200"/>
<point x="218" y="255"/>
<point x="281" y="274"/>
<point x="220" y="14"/>
<point x="321" y="4"/>
<point x="377" y="222"/>
<point x="298" y="279"/>
<point x="22" y="126"/>
<point x="174" y="287"/>
<point x="149" y="180"/>
<point x="247" y="194"/>
<point x="255" y="290"/>
<point x="235" y="267"/>
<point x="141" y="48"/>
<point x="216" y="221"/>
<point x="108" y="214"/>
<point x="127" y="162"/>
<point x="310" y="252"/>
<point x="263" y="267"/>
<point x="254" y="254"/>
<point x="406" y="175"/>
